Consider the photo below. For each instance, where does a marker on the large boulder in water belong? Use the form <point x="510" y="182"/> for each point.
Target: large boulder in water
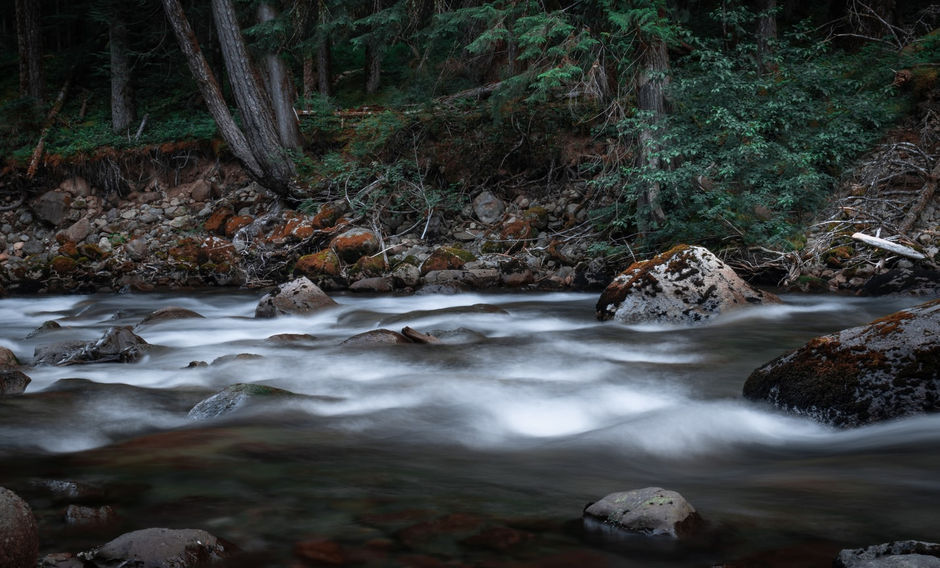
<point x="19" y="538"/>
<point x="159" y="548"/>
<point x="118" y="344"/>
<point x="651" y="511"/>
<point x="7" y="358"/>
<point x="898" y="554"/>
<point x="300" y="296"/>
<point x="685" y="285"/>
<point x="886" y="369"/>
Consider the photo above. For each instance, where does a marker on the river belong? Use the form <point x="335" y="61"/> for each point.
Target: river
<point x="479" y="452"/>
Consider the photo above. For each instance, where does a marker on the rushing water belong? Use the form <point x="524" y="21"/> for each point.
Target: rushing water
<point x="482" y="450"/>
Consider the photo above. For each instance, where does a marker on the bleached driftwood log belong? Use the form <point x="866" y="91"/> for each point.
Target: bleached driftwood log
<point x="888" y="246"/>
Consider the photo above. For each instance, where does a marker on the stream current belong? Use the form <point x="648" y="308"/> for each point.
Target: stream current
<point x="481" y="451"/>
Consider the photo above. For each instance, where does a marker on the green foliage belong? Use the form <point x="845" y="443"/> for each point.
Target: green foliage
<point x="752" y="154"/>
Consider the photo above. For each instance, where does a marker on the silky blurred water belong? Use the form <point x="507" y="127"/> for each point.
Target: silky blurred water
<point x="528" y="411"/>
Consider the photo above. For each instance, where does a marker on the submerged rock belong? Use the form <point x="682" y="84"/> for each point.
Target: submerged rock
<point x="169" y="313"/>
<point x="886" y="369"/>
<point x="89" y="517"/>
<point x="234" y="397"/>
<point x="684" y="285"/>
<point x="19" y="537"/>
<point x="651" y="511"/>
<point x="898" y="554"/>
<point x="300" y="296"/>
<point x="377" y="337"/>
<point x="118" y="344"/>
<point x="159" y="548"/>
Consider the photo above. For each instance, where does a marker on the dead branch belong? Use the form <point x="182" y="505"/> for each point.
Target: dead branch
<point x="47" y="125"/>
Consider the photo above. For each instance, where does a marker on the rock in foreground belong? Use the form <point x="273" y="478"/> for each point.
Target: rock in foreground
<point x="684" y="285"/>
<point x="19" y="539"/>
<point x="300" y="296"/>
<point x="886" y="369"/>
<point x="159" y="548"/>
<point x="651" y="511"/>
<point x="899" y="554"/>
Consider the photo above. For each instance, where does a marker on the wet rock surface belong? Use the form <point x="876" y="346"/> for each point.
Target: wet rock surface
<point x="685" y="285"/>
<point x="300" y="296"/>
<point x="236" y="397"/>
<point x="651" y="511"/>
<point x="159" y="548"/>
<point x="119" y="344"/>
<point x="12" y="380"/>
<point x="887" y="369"/>
<point x="19" y="538"/>
<point x="898" y="554"/>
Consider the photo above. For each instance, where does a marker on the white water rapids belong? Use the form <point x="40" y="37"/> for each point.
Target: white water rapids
<point x="532" y="409"/>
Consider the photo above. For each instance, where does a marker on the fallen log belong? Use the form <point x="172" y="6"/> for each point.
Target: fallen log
<point x="889" y="246"/>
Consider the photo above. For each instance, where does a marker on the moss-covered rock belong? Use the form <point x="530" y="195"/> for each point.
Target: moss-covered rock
<point x="355" y="243"/>
<point x="446" y="258"/>
<point x="883" y="370"/>
<point x="322" y="263"/>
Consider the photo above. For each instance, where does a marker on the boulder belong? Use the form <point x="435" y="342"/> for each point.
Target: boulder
<point x="53" y="207"/>
<point x="446" y="258"/>
<point x="377" y="337"/>
<point x="886" y="369"/>
<point x="118" y="344"/>
<point x="12" y="380"/>
<point x="232" y="398"/>
<point x="355" y="243"/>
<point x="300" y="296"/>
<point x="19" y="537"/>
<point x="375" y="285"/>
<point x="159" y="548"/>
<point x="898" y="554"/>
<point x="322" y="263"/>
<point x="684" y="285"/>
<point x="488" y="208"/>
<point x="169" y="313"/>
<point x="651" y="511"/>
<point x="7" y="358"/>
<point x="77" y="232"/>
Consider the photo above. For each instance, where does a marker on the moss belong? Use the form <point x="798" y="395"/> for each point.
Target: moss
<point x="368" y="266"/>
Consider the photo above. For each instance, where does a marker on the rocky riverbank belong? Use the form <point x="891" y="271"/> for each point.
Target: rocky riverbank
<point x="207" y="225"/>
<point x="215" y="228"/>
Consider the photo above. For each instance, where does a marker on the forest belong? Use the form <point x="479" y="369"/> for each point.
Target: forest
<point x="713" y="121"/>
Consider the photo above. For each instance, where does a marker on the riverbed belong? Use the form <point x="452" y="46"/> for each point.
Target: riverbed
<point x="479" y="451"/>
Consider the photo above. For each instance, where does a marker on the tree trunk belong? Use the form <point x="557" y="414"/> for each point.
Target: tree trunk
<point x="281" y="90"/>
<point x="373" y="68"/>
<point x="651" y="98"/>
<point x="252" y="101"/>
<point x="766" y="33"/>
<point x="29" y="45"/>
<point x="325" y="67"/>
<point x="123" y="111"/>
<point x="209" y="88"/>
